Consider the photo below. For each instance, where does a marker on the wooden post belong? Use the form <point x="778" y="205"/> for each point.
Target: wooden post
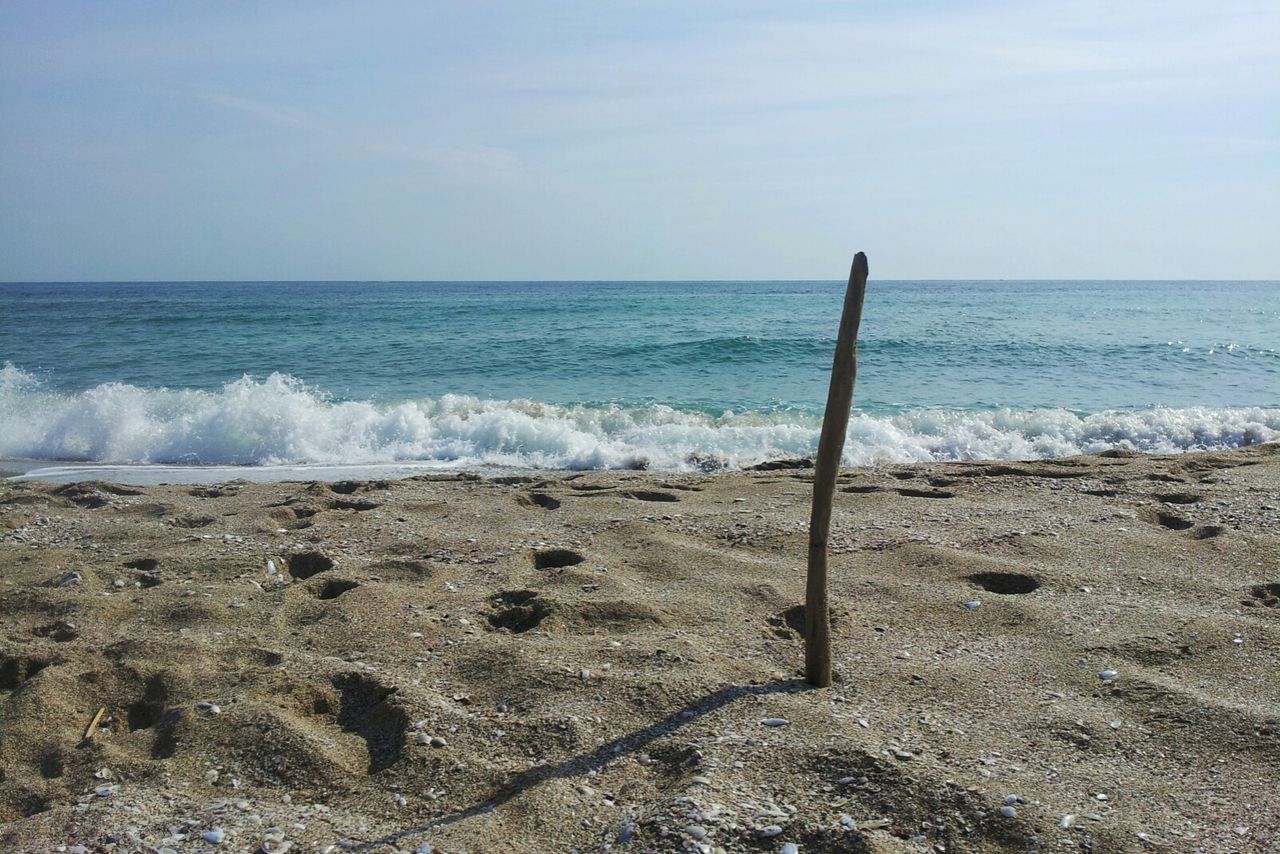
<point x="835" y="421"/>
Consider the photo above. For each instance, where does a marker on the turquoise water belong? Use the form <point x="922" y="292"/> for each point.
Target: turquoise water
<point x="616" y="374"/>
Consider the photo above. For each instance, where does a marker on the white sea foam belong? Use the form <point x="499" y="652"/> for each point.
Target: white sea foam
<point x="280" y="422"/>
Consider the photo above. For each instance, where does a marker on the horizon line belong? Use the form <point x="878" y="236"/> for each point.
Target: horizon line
<point x="583" y="281"/>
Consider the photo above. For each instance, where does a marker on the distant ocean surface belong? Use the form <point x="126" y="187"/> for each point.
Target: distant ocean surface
<point x="403" y="377"/>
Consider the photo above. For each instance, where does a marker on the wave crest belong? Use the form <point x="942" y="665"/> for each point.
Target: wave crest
<point x="280" y="421"/>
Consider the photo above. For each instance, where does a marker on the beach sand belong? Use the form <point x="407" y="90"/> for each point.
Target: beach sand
<point x="610" y="660"/>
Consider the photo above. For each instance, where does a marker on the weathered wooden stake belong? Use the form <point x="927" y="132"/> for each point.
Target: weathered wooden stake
<point x="844" y="369"/>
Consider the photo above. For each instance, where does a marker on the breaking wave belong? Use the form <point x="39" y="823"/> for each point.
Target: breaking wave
<point x="280" y="421"/>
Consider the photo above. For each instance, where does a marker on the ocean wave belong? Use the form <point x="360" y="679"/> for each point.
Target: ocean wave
<point x="280" y="421"/>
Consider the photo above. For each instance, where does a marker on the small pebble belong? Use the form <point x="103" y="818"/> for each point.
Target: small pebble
<point x="1008" y="812"/>
<point x="1011" y="799"/>
<point x="1067" y="820"/>
<point x="697" y="831"/>
<point x="972" y="604"/>
<point x="213" y="836"/>
<point x="770" y="831"/>
<point x="1108" y="675"/>
<point x="775" y="722"/>
<point x="789" y="848"/>
<point x="437" y="741"/>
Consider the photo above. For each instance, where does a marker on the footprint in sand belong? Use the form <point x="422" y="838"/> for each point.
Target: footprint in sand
<point x="556" y="559"/>
<point x="303" y="565"/>
<point x="650" y="495"/>
<point x="1005" y="583"/>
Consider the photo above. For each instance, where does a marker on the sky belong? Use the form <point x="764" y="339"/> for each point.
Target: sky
<point x="671" y="139"/>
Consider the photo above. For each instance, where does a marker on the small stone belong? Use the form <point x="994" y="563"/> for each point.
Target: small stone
<point x="214" y="836"/>
<point x="67" y="579"/>
<point x="697" y="831"/>
<point x="207" y="706"/>
<point x="846" y="821"/>
<point x="789" y="848"/>
<point x="1011" y="799"/>
<point x="118" y="584"/>
<point x="1067" y="820"/>
<point x="972" y="604"/>
<point x="770" y="830"/>
<point x="437" y="741"/>
<point x="211" y="776"/>
<point x="1008" y="812"/>
<point x="1108" y="675"/>
<point x="904" y="754"/>
<point x="775" y="722"/>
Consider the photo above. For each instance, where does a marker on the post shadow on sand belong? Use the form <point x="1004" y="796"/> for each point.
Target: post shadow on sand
<point x="580" y="764"/>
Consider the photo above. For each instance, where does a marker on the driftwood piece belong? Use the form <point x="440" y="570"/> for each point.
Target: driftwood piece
<point x="92" y="728"/>
<point x="835" y="421"/>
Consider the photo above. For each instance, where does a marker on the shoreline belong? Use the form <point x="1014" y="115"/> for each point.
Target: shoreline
<point x="597" y="651"/>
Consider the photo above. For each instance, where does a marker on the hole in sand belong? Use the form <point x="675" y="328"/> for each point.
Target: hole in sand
<point x="147" y="711"/>
<point x="60" y="631"/>
<point x="556" y="559"/>
<point x="357" y="505"/>
<point x="1173" y="521"/>
<point x="862" y="490"/>
<point x="926" y="493"/>
<point x="649" y="495"/>
<point x="334" y="588"/>
<point x="346" y="487"/>
<point x="546" y="502"/>
<point x="210" y="492"/>
<point x="369" y="710"/>
<point x="1102" y="493"/>
<point x="16" y="672"/>
<point x="1269" y="594"/>
<point x="520" y="611"/>
<point x="1208" y="532"/>
<point x="147" y="579"/>
<point x="1178" y="497"/>
<point x="1005" y="583"/>
<point x="192" y="521"/>
<point x="306" y="564"/>
<point x="146" y="564"/>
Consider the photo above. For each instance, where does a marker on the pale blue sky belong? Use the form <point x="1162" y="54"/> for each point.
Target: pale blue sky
<point x="624" y="140"/>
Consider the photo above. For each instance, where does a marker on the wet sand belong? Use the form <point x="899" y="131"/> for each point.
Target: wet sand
<point x="609" y="661"/>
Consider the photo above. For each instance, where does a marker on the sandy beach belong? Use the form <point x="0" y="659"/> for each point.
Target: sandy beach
<point x="1079" y="654"/>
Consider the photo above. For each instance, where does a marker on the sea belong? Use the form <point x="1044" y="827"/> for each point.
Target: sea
<point x="205" y="381"/>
